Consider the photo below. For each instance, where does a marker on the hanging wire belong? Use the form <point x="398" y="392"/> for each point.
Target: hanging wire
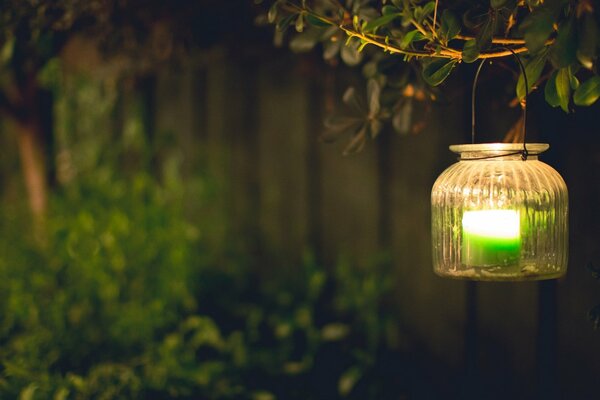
<point x="524" y="153"/>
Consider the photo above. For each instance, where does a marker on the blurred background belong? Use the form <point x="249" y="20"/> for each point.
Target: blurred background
<point x="173" y="226"/>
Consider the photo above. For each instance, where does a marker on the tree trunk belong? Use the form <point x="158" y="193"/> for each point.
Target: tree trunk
<point x="33" y="164"/>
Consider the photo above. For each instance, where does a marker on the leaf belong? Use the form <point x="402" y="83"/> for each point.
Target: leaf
<point x="537" y="28"/>
<point x="573" y="81"/>
<point x="386" y="10"/>
<point x="29" y="392"/>
<point x="563" y="88"/>
<point x="372" y="26"/>
<point x="348" y="381"/>
<point x="411" y="36"/>
<point x="300" y="23"/>
<point x="436" y="71"/>
<point x="375" y="126"/>
<point x="331" y="49"/>
<point x="352" y="99"/>
<point x="470" y="51"/>
<point x="7" y="50"/>
<point x="588" y="33"/>
<point x="314" y="21"/>
<point x="450" y="26"/>
<point x="61" y="394"/>
<point x="306" y="41"/>
<point x="272" y="14"/>
<point x="497" y="4"/>
<point x="263" y="395"/>
<point x="373" y="93"/>
<point x="588" y="92"/>
<point x="284" y="23"/>
<point x="336" y="126"/>
<point x="594" y="316"/>
<point x="564" y="50"/>
<point x="357" y="142"/>
<point x="334" y="331"/>
<point x="550" y="93"/>
<point x="350" y="54"/>
<point x="402" y="118"/>
<point x="533" y="69"/>
<point x="486" y="33"/>
<point x="595" y="270"/>
<point x="424" y="12"/>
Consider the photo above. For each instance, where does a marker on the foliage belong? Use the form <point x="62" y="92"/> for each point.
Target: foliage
<point x="126" y="301"/>
<point x="557" y="41"/>
<point x="139" y="34"/>
<point x="128" y="297"/>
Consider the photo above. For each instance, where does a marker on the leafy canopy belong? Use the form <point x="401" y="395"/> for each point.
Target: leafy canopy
<point x="557" y="41"/>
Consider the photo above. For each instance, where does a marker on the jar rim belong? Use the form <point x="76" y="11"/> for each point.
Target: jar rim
<point x="532" y="148"/>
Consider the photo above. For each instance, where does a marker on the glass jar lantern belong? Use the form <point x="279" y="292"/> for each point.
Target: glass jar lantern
<point x="498" y="217"/>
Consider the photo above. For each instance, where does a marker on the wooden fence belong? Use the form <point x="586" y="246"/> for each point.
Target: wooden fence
<point x="259" y="120"/>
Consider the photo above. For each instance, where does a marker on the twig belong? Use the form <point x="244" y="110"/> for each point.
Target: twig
<point x="434" y="18"/>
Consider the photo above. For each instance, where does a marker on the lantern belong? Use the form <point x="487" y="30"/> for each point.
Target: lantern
<point x="499" y="214"/>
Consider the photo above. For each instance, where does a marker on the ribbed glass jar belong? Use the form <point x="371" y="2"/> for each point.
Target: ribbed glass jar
<point x="499" y="218"/>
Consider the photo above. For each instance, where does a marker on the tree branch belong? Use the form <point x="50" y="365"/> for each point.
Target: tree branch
<point x="440" y="52"/>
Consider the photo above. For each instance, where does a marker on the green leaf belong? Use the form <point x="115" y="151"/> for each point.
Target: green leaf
<point x="300" y="23"/>
<point x="263" y="395"/>
<point x="563" y="88"/>
<point x="372" y="26"/>
<point x="387" y="10"/>
<point x="588" y="92"/>
<point x="424" y="12"/>
<point x="588" y="33"/>
<point x="550" y="93"/>
<point x="7" y="50"/>
<point x="411" y="36"/>
<point x="470" y="51"/>
<point x="533" y="69"/>
<point x="564" y="50"/>
<point x="496" y="4"/>
<point x="348" y="381"/>
<point x="334" y="331"/>
<point x="573" y="81"/>
<point x="537" y="28"/>
<point x="61" y="394"/>
<point x="450" y="26"/>
<point x="486" y="33"/>
<point x="436" y="71"/>
<point x="284" y="23"/>
<point x="314" y="21"/>
<point x="272" y="14"/>
<point x="29" y="392"/>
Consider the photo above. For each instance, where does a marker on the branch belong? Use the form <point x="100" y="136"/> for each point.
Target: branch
<point x="494" y="40"/>
<point x="441" y="52"/>
<point x="445" y="52"/>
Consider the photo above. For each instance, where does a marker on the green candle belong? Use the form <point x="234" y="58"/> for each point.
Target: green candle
<point x="490" y="237"/>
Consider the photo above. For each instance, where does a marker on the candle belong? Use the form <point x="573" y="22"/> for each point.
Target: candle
<point x="490" y="237"/>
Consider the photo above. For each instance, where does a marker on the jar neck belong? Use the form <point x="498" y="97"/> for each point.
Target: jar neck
<point x="495" y="156"/>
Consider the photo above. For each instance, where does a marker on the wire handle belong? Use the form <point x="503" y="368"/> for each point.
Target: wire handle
<point x="524" y="153"/>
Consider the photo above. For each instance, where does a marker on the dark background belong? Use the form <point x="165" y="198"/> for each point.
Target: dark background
<point x="253" y="114"/>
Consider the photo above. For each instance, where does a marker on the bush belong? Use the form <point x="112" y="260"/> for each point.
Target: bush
<point x="127" y="299"/>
